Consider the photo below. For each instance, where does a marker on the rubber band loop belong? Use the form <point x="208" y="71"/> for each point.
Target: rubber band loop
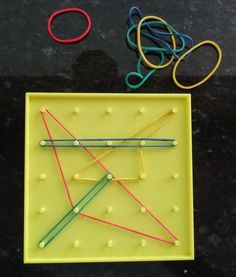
<point x="62" y="11"/>
<point x="134" y="11"/>
<point x="138" y="74"/>
<point x="155" y="38"/>
<point x="140" y="50"/>
<point x="205" y="42"/>
<point x="156" y="33"/>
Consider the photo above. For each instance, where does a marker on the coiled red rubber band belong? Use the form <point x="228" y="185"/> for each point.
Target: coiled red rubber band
<point x="72" y="40"/>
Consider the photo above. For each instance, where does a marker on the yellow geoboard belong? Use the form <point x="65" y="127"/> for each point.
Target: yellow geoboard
<point x="108" y="177"/>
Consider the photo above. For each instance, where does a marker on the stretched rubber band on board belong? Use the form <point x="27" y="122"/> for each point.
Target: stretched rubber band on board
<point x="108" y="143"/>
<point x="122" y="185"/>
<point x="75" y="210"/>
<point x="111" y="139"/>
<point x="108" y="146"/>
<point x="148" y="130"/>
<point x="72" y="40"/>
<point x="205" y="42"/>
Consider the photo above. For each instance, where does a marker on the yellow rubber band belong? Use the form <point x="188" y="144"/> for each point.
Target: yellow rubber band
<point x="160" y="121"/>
<point x="142" y="161"/>
<point x="140" y="50"/>
<point x="205" y="42"/>
<point x="128" y="179"/>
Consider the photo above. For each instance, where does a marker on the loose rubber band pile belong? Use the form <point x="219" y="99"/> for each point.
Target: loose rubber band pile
<point x="169" y="46"/>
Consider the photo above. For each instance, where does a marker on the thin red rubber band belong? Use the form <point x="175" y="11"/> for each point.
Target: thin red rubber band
<point x="72" y="40"/>
<point x="119" y="182"/>
<point x="86" y="215"/>
<point x="58" y="161"/>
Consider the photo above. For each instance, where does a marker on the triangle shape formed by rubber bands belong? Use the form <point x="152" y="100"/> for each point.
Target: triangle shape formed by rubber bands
<point x="148" y="130"/>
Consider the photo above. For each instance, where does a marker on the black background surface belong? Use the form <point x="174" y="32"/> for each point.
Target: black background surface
<point x="31" y="61"/>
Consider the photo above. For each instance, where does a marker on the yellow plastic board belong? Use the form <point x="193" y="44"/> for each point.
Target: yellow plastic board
<point x="148" y="194"/>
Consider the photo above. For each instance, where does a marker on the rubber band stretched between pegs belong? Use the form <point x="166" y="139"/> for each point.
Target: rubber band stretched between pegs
<point x="72" y="213"/>
<point x="135" y="198"/>
<point x="107" y="146"/>
<point x="63" y="11"/>
<point x="205" y="42"/>
<point x="69" y="143"/>
<point x="148" y="130"/>
<point x="97" y="160"/>
<point x="111" y="139"/>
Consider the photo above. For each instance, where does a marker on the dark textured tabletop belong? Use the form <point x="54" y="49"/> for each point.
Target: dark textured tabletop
<point x="31" y="61"/>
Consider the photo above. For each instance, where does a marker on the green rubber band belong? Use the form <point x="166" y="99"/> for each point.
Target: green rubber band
<point x="72" y="213"/>
<point x="139" y="74"/>
<point x="161" y="51"/>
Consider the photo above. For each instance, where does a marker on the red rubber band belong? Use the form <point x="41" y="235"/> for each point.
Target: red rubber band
<point x="72" y="40"/>
<point x="119" y="182"/>
<point x="58" y="161"/>
<point x="97" y="219"/>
